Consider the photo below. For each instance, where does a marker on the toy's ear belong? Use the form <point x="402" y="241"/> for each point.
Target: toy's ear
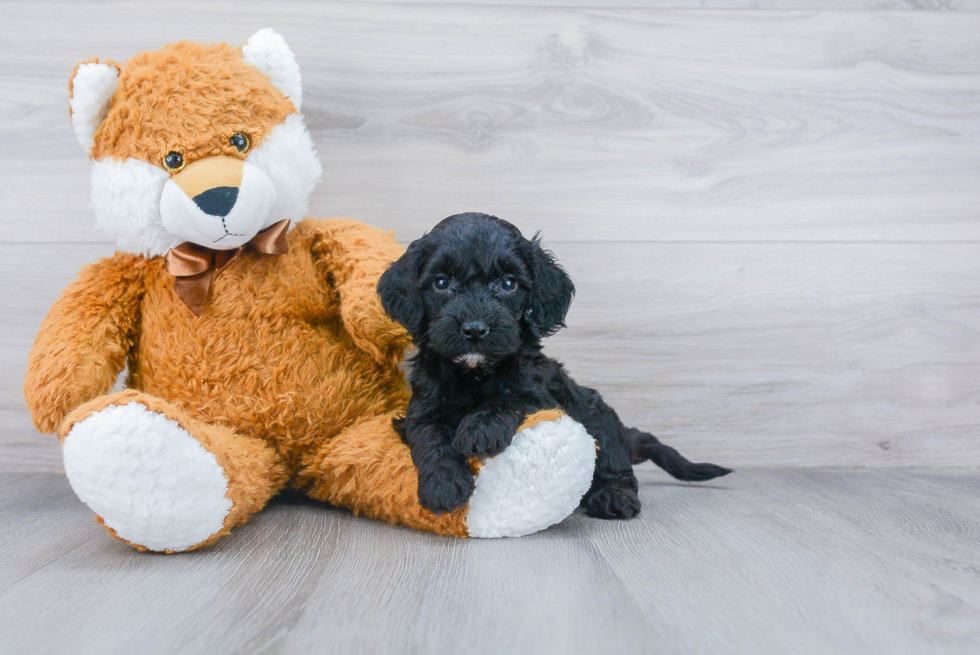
<point x="399" y="290"/>
<point x="267" y="51"/>
<point x="552" y="293"/>
<point x="90" y="91"/>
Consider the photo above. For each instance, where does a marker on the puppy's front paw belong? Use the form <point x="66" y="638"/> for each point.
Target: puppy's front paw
<point x="446" y="488"/>
<point x="484" y="434"/>
<point x="616" y="499"/>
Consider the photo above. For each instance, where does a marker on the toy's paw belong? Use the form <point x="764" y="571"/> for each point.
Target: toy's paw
<point x="149" y="480"/>
<point x="446" y="487"/>
<point x="484" y="434"/>
<point x="536" y="482"/>
<point x="616" y="499"/>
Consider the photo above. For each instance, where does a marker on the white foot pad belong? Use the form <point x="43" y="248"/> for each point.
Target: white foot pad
<point x="147" y="477"/>
<point x="535" y="483"/>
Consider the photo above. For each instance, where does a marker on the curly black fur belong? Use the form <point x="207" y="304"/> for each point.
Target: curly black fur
<point x="478" y="298"/>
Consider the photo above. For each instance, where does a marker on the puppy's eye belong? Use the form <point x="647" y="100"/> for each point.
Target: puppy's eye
<point x="240" y="141"/>
<point x="508" y="284"/>
<point x="173" y="161"/>
<point x="441" y="283"/>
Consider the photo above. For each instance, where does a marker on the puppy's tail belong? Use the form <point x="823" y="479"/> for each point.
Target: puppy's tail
<point x="644" y="446"/>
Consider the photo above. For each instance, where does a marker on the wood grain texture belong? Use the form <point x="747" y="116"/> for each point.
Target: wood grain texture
<point x="601" y="124"/>
<point x="760" y="562"/>
<point x="747" y="354"/>
<point x="772" y="215"/>
<point x="768" y="5"/>
<point x="816" y="562"/>
<point x="784" y="354"/>
<point x="772" y="218"/>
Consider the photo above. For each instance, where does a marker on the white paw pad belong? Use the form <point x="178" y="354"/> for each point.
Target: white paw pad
<point x="536" y="482"/>
<point x="147" y="477"/>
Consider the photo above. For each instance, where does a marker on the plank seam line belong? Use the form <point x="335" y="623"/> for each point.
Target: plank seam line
<point x="948" y="242"/>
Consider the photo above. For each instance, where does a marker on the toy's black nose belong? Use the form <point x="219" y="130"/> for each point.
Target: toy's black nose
<point x="475" y="330"/>
<point x="217" y="201"/>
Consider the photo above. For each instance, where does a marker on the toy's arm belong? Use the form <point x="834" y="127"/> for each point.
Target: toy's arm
<point x="353" y="256"/>
<point x="84" y="340"/>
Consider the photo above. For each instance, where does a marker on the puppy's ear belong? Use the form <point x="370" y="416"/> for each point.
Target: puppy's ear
<point x="552" y="293"/>
<point x="399" y="290"/>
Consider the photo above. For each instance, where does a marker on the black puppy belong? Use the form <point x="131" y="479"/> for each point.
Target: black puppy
<point x="477" y="298"/>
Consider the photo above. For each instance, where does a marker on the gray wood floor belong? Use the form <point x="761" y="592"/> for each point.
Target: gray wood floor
<point x="764" y="561"/>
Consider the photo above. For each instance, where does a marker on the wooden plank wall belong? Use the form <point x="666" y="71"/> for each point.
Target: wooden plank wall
<point x="772" y="215"/>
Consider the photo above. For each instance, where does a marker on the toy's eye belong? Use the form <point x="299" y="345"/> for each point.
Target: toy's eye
<point x="441" y="283"/>
<point x="173" y="161"/>
<point x="508" y="284"/>
<point x="240" y="141"/>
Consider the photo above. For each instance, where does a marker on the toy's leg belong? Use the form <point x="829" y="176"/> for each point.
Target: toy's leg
<point x="160" y="480"/>
<point x="367" y="469"/>
<point x="536" y="482"/>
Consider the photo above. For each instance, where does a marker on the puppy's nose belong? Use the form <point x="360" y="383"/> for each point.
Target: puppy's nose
<point x="475" y="330"/>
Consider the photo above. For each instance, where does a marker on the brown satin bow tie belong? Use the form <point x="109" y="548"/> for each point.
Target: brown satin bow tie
<point x="194" y="266"/>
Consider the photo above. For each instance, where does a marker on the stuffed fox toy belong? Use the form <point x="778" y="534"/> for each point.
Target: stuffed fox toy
<point x="258" y="355"/>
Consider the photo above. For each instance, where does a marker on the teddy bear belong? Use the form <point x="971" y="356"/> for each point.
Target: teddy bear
<point x="257" y="352"/>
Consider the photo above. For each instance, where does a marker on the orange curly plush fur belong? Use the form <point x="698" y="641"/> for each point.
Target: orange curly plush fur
<point x="288" y="377"/>
<point x="168" y="93"/>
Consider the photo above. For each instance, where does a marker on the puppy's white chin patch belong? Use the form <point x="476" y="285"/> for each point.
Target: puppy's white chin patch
<point x="472" y="360"/>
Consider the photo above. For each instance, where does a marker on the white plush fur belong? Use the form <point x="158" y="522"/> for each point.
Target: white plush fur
<point x="127" y="195"/>
<point x="538" y="481"/>
<point x="267" y="51"/>
<point x="92" y="89"/>
<point x="126" y="199"/>
<point x="148" y="478"/>
<point x="186" y="221"/>
<point x="288" y="157"/>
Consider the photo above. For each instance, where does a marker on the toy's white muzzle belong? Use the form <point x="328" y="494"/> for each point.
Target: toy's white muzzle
<point x="217" y="202"/>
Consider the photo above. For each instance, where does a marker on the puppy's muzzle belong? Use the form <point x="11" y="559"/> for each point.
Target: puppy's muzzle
<point x="475" y="330"/>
